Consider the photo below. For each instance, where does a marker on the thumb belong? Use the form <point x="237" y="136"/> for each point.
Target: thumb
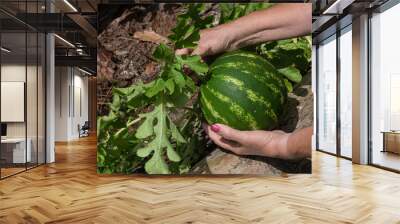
<point x="201" y="51"/>
<point x="228" y="132"/>
<point x="183" y="51"/>
<point x="196" y="51"/>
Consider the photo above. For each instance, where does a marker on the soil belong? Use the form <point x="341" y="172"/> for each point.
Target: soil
<point x="123" y="59"/>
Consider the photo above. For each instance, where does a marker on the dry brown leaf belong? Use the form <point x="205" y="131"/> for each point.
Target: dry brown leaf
<point x="150" y="36"/>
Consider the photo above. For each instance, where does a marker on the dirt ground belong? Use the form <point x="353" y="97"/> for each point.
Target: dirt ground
<point x="124" y="60"/>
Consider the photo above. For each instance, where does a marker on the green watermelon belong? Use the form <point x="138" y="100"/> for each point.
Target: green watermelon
<point x="244" y="91"/>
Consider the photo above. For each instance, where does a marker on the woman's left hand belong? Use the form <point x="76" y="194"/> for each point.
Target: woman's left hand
<point x="262" y="143"/>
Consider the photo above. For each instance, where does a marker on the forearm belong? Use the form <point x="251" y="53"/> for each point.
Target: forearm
<point x="281" y="21"/>
<point x="299" y="143"/>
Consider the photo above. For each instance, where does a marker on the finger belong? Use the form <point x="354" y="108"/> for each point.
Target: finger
<point x="200" y="50"/>
<point x="229" y="133"/>
<point x="230" y="145"/>
<point x="183" y="51"/>
<point x="225" y="144"/>
<point x="196" y="51"/>
<point x="230" y="142"/>
<point x="278" y="132"/>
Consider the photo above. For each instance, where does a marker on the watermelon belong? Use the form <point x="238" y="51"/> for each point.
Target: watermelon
<point x="244" y="91"/>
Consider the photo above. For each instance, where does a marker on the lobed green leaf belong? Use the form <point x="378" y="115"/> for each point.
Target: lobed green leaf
<point x="163" y="53"/>
<point x="292" y="73"/>
<point x="194" y="62"/>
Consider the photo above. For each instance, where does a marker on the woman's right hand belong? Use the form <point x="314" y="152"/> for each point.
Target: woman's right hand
<point x="212" y="41"/>
<point x="281" y="21"/>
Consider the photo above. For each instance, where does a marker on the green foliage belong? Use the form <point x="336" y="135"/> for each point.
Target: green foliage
<point x="292" y="57"/>
<point x="140" y="130"/>
<point x="151" y="143"/>
<point x="155" y="124"/>
<point x="194" y="63"/>
<point x="295" y="52"/>
<point x="291" y="73"/>
<point x="186" y="32"/>
<point x="117" y="144"/>
<point x="232" y="11"/>
<point x="288" y="85"/>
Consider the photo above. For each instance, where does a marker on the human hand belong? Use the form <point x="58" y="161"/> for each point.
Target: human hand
<point x="281" y="21"/>
<point x="212" y="41"/>
<point x="262" y="143"/>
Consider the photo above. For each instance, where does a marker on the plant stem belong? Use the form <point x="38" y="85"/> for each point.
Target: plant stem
<point x="133" y="122"/>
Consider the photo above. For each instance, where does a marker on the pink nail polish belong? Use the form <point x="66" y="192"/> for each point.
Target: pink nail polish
<point x="215" y="128"/>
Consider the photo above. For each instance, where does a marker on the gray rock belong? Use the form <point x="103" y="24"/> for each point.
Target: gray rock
<point x="221" y="162"/>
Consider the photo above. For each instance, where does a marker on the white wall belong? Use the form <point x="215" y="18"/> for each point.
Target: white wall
<point x="13" y="101"/>
<point x="70" y="83"/>
<point x="62" y="81"/>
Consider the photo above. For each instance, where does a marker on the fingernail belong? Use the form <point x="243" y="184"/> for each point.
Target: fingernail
<point x="215" y="128"/>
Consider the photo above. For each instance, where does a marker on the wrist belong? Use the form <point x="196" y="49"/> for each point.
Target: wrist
<point x="291" y="149"/>
<point x="245" y="31"/>
<point x="276" y="145"/>
<point x="231" y="35"/>
<point x="299" y="143"/>
<point x="282" y="146"/>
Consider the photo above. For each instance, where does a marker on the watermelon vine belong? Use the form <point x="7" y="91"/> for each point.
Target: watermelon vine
<point x="156" y="126"/>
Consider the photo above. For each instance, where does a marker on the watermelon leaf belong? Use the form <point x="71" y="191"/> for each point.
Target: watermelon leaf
<point x="146" y="128"/>
<point x="170" y="85"/>
<point x="175" y="133"/>
<point x="194" y="63"/>
<point x="160" y="142"/>
<point x="295" y="52"/>
<point x="178" y="30"/>
<point x="115" y="104"/>
<point x="163" y="53"/>
<point x="180" y="97"/>
<point x="178" y="77"/>
<point x="232" y="11"/>
<point x="292" y="73"/>
<point x="190" y="41"/>
<point x="157" y="87"/>
<point x="288" y="85"/>
<point x="186" y="34"/>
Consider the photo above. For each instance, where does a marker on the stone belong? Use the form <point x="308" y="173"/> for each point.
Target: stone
<point x="221" y="162"/>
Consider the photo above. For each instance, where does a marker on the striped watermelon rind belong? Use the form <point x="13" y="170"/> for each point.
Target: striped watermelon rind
<point x="245" y="92"/>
